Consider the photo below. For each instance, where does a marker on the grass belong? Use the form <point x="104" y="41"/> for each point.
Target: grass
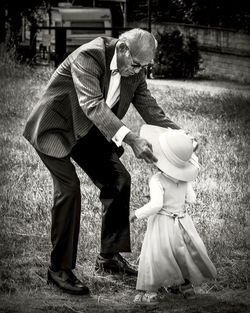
<point x="221" y="124"/>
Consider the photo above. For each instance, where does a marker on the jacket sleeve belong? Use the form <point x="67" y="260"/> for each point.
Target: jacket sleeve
<point x="148" y="108"/>
<point x="87" y="75"/>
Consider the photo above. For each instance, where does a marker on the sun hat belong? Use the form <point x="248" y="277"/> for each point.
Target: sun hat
<point x="174" y="151"/>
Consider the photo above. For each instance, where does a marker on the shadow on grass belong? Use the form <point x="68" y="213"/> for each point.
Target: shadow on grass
<point x="108" y="302"/>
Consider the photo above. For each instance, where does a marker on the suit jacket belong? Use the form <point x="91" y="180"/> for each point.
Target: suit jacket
<point x="74" y="101"/>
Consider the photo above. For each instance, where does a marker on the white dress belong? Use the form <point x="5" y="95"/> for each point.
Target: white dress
<point x="172" y="250"/>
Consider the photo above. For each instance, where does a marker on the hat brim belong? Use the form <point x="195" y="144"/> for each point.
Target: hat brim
<point x="187" y="173"/>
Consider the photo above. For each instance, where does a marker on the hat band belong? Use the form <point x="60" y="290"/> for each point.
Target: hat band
<point x="172" y="158"/>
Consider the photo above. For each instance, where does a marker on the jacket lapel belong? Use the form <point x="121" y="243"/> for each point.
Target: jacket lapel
<point x="125" y="96"/>
<point x="110" y="50"/>
<point x="125" y="91"/>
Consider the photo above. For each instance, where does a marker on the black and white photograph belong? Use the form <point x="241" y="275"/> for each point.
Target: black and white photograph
<point x="124" y="161"/>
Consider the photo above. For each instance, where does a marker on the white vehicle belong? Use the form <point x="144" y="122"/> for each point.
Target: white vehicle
<point x="67" y="15"/>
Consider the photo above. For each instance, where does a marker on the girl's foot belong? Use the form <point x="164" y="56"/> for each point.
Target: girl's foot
<point x="148" y="297"/>
<point x="173" y="289"/>
<point x="187" y="290"/>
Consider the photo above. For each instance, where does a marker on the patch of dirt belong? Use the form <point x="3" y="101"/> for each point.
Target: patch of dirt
<point x="52" y="300"/>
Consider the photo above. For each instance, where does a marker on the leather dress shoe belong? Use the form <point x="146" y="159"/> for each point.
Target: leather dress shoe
<point x="117" y="264"/>
<point x="67" y="281"/>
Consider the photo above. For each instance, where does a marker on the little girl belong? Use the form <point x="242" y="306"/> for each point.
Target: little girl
<point x="173" y="253"/>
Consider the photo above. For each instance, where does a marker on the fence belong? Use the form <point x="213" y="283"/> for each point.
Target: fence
<point x="61" y="38"/>
<point x="225" y="52"/>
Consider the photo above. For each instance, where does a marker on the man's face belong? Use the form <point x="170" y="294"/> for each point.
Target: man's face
<point x="129" y="65"/>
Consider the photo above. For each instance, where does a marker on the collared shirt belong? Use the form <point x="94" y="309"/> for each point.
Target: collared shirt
<point x="113" y="97"/>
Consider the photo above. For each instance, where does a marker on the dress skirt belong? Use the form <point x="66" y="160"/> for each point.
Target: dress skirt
<point x="172" y="251"/>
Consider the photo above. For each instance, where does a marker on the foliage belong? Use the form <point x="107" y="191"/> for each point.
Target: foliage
<point x="220" y="13"/>
<point x="177" y="55"/>
<point x="214" y="13"/>
<point x="16" y="10"/>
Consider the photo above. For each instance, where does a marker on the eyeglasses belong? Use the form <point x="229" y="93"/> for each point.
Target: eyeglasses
<point x="137" y="65"/>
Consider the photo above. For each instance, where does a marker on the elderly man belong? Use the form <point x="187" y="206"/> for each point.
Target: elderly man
<point x="79" y="117"/>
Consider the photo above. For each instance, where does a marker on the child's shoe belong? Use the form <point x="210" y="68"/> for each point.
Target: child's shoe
<point x="146" y="298"/>
<point x="187" y="290"/>
<point x="173" y="289"/>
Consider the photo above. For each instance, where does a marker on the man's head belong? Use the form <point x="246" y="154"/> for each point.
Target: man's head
<point x="135" y="50"/>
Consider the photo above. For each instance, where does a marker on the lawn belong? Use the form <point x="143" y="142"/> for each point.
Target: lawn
<point x="220" y="122"/>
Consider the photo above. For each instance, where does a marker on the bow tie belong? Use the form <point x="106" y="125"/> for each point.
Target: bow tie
<point x="114" y="72"/>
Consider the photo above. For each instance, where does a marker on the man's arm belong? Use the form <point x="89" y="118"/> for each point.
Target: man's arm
<point x="86" y="75"/>
<point x="91" y="100"/>
<point x="151" y="112"/>
<point x="148" y="108"/>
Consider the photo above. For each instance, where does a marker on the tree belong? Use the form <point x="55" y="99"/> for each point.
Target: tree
<point x="16" y="9"/>
<point x="177" y="56"/>
<point x="215" y="13"/>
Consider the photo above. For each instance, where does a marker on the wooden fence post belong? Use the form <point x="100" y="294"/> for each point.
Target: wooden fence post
<point x="60" y="45"/>
<point x="33" y="33"/>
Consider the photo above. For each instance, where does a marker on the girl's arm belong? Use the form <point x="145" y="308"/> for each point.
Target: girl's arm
<point x="190" y="195"/>
<point x="156" y="199"/>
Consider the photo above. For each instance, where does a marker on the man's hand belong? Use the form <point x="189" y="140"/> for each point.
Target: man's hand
<point x="141" y="147"/>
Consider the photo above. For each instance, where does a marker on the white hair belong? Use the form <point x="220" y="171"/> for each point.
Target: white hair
<point x="140" y="42"/>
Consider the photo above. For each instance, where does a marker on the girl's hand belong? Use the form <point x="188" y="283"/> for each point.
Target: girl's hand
<point x="194" y="140"/>
<point x="132" y="216"/>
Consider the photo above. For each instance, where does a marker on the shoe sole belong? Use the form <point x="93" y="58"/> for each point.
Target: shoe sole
<point x="102" y="269"/>
<point x="114" y="272"/>
<point x="50" y="281"/>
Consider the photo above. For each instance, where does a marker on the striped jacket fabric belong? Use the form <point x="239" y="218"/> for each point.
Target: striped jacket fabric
<point x="74" y="100"/>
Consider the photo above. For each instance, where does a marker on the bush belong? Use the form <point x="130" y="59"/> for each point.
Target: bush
<point x="177" y="56"/>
